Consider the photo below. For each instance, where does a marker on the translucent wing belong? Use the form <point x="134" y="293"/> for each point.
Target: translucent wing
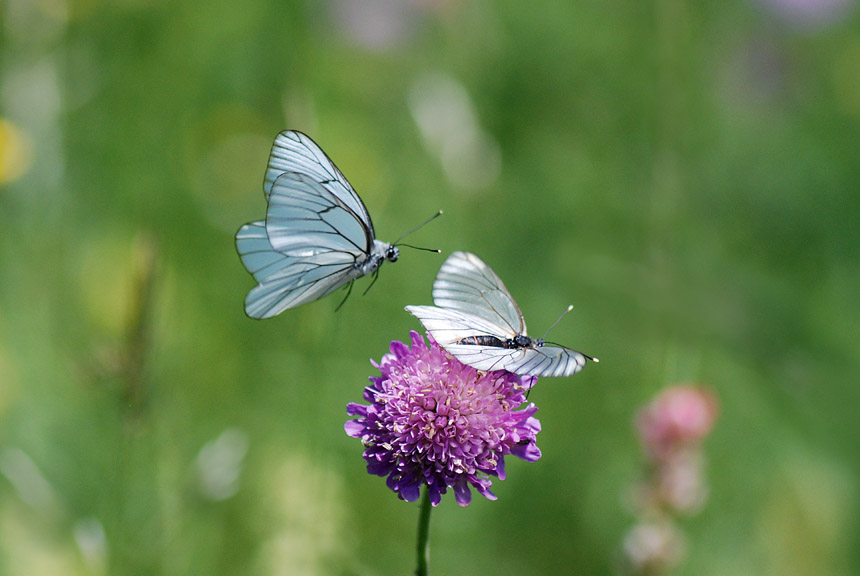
<point x="543" y="361"/>
<point x="477" y="321"/>
<point x="257" y="254"/>
<point x="547" y="360"/>
<point x="296" y="152"/>
<point x="307" y="247"/>
<point x="466" y="284"/>
<point x="450" y="327"/>
<point x="305" y="219"/>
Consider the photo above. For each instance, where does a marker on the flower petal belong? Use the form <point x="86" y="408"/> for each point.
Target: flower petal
<point x="354" y="428"/>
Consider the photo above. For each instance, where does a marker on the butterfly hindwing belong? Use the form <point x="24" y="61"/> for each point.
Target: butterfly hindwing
<point x="466" y="284"/>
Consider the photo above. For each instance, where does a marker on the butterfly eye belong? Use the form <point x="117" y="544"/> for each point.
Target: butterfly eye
<point x="392" y="254"/>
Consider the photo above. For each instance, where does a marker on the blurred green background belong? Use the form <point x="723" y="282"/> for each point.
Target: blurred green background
<point x="685" y="173"/>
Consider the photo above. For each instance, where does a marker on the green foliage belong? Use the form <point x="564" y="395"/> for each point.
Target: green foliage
<point x="686" y="174"/>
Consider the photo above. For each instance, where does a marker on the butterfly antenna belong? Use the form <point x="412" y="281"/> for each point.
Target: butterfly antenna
<point x="436" y="250"/>
<point x="433" y="217"/>
<point x="563" y="314"/>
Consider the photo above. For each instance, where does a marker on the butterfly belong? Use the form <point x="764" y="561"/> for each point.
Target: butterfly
<point x="317" y="235"/>
<point x="477" y="321"/>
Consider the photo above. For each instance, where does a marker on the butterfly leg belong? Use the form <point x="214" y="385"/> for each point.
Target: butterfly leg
<point x="372" y="282"/>
<point x="348" y="292"/>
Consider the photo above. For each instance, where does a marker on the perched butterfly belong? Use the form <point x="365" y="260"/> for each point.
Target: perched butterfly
<point x="317" y="235"/>
<point x="477" y="320"/>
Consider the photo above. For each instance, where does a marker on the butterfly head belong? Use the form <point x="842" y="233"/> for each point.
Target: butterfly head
<point x="522" y="341"/>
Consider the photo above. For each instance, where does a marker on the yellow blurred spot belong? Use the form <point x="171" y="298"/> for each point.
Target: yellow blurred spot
<point x="9" y="381"/>
<point x="16" y="152"/>
<point x="106" y="280"/>
<point x="306" y="518"/>
<point x="31" y="548"/>
<point x="805" y="521"/>
<point x="57" y="10"/>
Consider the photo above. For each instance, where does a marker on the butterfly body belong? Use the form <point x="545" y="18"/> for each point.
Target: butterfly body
<point x="518" y="341"/>
<point x="381" y="252"/>
<point x="477" y="321"/>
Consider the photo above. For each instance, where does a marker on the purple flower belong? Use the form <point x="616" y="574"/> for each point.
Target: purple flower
<point x="433" y="420"/>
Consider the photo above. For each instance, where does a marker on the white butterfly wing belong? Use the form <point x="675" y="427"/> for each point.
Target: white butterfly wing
<point x="448" y="327"/>
<point x="306" y="248"/>
<point x="548" y="360"/>
<point x="472" y="301"/>
<point x="305" y="219"/>
<point x="545" y="361"/>
<point x="256" y="252"/>
<point x="464" y="283"/>
<point x="295" y="152"/>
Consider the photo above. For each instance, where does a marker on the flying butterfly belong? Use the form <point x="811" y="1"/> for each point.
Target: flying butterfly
<point x="317" y="235"/>
<point x="477" y="321"/>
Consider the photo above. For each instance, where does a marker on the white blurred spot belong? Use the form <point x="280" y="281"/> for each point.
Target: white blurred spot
<point x="27" y="479"/>
<point x="30" y="96"/>
<point x="92" y="542"/>
<point x="810" y="14"/>
<point x="653" y="547"/>
<point x="375" y="24"/>
<point x="39" y="23"/>
<point x="219" y="464"/>
<point x="445" y="116"/>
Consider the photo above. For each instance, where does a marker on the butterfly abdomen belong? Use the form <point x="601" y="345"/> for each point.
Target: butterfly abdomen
<point x="482" y="341"/>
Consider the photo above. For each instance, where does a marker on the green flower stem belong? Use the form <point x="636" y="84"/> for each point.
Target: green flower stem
<point x="424" y="536"/>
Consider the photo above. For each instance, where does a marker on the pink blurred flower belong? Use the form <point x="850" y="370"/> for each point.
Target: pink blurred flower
<point x="384" y="24"/>
<point x="677" y="485"/>
<point x="671" y="429"/>
<point x="680" y="416"/>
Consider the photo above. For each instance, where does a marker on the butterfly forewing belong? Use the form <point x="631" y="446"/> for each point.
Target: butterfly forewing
<point x="296" y="152"/>
<point x="304" y="219"/>
<point x="466" y="284"/>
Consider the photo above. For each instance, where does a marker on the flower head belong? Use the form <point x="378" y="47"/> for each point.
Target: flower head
<point x="671" y="429"/>
<point x="433" y="420"/>
<point x="679" y="417"/>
